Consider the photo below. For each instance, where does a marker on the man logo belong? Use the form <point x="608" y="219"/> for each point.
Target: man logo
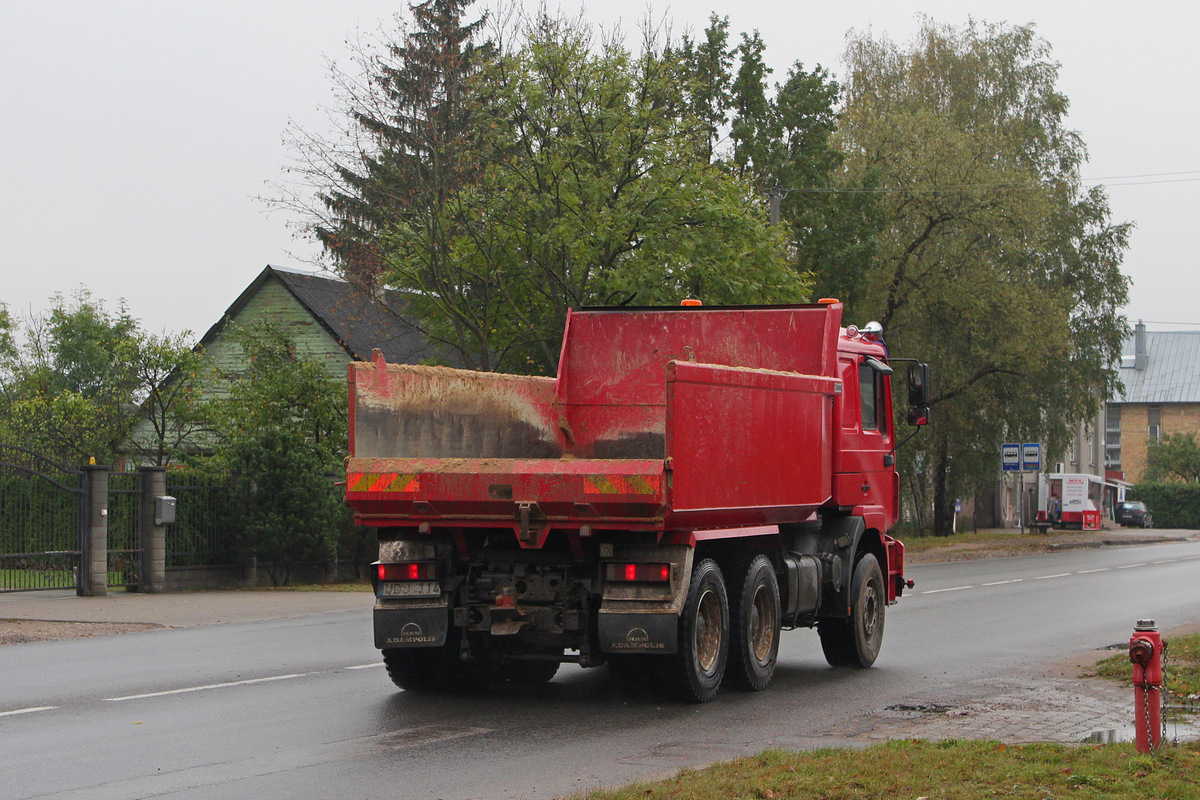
<point x="638" y="639"/>
<point x="411" y="634"/>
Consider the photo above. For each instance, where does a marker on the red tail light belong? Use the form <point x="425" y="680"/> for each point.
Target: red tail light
<point x="417" y="571"/>
<point x="644" y="573"/>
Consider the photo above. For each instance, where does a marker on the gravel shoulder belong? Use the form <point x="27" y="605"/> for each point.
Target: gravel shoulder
<point x="43" y="616"/>
<point x="20" y="631"/>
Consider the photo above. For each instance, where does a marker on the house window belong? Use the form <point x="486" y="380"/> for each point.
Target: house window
<point x="1154" y="422"/>
<point x="1112" y="437"/>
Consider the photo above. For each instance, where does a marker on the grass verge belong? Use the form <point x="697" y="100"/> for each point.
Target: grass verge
<point x="949" y="770"/>
<point x="1183" y="668"/>
<point x="921" y="544"/>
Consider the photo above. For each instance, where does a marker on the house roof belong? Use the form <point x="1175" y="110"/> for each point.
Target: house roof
<point x="1171" y="369"/>
<point x="358" y="319"/>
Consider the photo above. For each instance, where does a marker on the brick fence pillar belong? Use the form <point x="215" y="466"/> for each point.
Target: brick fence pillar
<point x="152" y="537"/>
<point x="93" y="529"/>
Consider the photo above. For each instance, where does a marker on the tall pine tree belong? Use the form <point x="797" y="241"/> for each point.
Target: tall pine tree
<point x="416" y="124"/>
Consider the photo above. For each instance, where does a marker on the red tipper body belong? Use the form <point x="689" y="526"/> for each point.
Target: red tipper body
<point x="664" y="427"/>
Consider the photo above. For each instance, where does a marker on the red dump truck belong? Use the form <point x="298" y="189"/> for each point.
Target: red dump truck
<point x="693" y="481"/>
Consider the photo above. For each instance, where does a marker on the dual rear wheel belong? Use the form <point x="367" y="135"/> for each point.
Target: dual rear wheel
<point x="728" y="636"/>
<point x="732" y="635"/>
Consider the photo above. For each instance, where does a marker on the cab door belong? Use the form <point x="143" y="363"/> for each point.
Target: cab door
<point x="864" y="463"/>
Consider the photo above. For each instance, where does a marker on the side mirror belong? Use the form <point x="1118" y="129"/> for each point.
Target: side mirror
<point x="918" y="415"/>
<point x="918" y="385"/>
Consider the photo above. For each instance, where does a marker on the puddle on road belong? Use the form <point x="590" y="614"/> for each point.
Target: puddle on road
<point x="916" y="710"/>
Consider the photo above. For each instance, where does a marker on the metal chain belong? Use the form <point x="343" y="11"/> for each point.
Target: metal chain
<point x="1163" y="697"/>
<point x="1147" y="688"/>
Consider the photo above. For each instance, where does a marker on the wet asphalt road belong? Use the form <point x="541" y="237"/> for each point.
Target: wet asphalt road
<point x="301" y="708"/>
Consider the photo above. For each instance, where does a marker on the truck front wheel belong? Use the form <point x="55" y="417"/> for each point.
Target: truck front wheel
<point x="754" y="624"/>
<point x="855" y="642"/>
<point x="703" y="635"/>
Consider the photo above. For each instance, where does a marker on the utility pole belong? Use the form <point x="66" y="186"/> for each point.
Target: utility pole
<point x="773" y="197"/>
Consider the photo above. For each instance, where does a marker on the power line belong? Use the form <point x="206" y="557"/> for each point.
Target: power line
<point x="1131" y="180"/>
<point x="1148" y="175"/>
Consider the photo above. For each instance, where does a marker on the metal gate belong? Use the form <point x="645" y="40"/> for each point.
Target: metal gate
<point x="41" y="518"/>
<point x="124" y="525"/>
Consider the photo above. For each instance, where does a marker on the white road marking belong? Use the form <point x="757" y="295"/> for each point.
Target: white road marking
<point x="1038" y="578"/>
<point x="26" y="711"/>
<point x="206" y="687"/>
<point x="367" y="666"/>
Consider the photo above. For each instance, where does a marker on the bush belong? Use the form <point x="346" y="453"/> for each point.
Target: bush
<point x="1174" y="505"/>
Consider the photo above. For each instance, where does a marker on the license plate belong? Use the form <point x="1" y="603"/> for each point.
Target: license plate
<point x="411" y="589"/>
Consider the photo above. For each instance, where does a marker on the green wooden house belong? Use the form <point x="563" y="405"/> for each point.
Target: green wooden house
<point x="328" y="318"/>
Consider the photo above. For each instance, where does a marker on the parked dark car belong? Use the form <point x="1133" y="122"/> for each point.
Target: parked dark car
<point x="1134" y="514"/>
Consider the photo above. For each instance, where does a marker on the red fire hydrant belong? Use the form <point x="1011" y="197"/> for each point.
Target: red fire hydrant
<point x="1146" y="652"/>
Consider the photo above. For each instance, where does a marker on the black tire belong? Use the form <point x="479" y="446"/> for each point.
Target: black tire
<point x="855" y="642"/>
<point x="415" y="669"/>
<point x="530" y="673"/>
<point x="754" y="625"/>
<point x="699" y="664"/>
<point x="632" y="670"/>
<point x="437" y="669"/>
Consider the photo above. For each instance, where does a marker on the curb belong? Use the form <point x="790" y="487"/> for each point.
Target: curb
<point x="1115" y="543"/>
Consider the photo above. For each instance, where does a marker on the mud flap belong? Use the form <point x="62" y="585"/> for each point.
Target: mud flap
<point x="638" y="632"/>
<point x="411" y="626"/>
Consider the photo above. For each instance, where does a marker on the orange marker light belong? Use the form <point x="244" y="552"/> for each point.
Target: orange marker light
<point x="691" y="301"/>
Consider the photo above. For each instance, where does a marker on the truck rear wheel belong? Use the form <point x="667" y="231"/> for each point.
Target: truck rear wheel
<point x="531" y="673"/>
<point x="433" y="669"/>
<point x="699" y="664"/>
<point x="754" y="617"/>
<point x="855" y="642"/>
<point x="415" y="669"/>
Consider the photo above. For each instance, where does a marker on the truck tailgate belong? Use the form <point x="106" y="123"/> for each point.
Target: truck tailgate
<point x="528" y="494"/>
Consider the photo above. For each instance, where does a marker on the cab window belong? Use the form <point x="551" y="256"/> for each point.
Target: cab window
<point x="870" y="392"/>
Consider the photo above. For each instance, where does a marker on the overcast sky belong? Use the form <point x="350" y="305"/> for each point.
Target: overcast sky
<point x="135" y="135"/>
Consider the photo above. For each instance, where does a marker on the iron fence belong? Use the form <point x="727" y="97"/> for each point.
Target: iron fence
<point x="40" y="513"/>
<point x="205" y="532"/>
